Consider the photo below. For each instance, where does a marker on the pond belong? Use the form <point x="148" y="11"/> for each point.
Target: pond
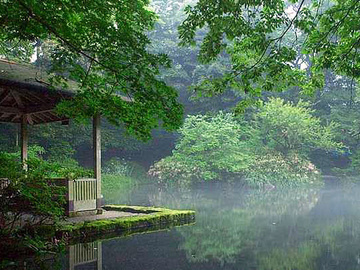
<point x="237" y="228"/>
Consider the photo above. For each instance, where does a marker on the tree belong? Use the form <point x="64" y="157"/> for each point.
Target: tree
<point x="209" y="148"/>
<point x="255" y="33"/>
<point x="186" y="70"/>
<point x="273" y="148"/>
<point x="103" y="47"/>
<point x="288" y="127"/>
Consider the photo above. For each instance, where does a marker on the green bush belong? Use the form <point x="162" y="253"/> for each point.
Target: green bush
<point x="32" y="193"/>
<point x="271" y="148"/>
<point x="116" y="188"/>
<point x="288" y="127"/>
<point x="29" y="199"/>
<point x="209" y="148"/>
<point x="120" y="166"/>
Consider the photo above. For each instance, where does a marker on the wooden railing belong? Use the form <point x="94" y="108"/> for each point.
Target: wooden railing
<point x="82" y="192"/>
<point x="84" y="189"/>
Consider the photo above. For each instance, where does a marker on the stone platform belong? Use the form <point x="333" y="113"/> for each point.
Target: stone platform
<point x="123" y="219"/>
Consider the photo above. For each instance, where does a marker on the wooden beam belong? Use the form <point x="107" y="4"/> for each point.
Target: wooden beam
<point x="28" y="110"/>
<point x="30" y="119"/>
<point x="17" y="99"/>
<point x="99" y="256"/>
<point x="39" y="108"/>
<point x="97" y="160"/>
<point x="40" y="116"/>
<point x="15" y="117"/>
<point x="47" y="117"/>
<point x="9" y="109"/>
<point x="24" y="141"/>
<point x="36" y="97"/>
<point x="4" y="114"/>
<point x="4" y="95"/>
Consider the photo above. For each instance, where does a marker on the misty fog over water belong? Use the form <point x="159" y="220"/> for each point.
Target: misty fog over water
<point x="247" y="112"/>
<point x="239" y="228"/>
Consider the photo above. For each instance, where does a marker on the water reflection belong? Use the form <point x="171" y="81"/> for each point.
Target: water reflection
<point x="238" y="228"/>
<point x="85" y="256"/>
<point x="278" y="229"/>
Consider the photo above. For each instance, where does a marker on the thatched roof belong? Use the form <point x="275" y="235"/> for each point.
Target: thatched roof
<point x="24" y="90"/>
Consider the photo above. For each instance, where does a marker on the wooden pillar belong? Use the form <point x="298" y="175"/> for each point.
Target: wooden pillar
<point x="99" y="255"/>
<point x="24" y="140"/>
<point x="17" y="136"/>
<point x="97" y="160"/>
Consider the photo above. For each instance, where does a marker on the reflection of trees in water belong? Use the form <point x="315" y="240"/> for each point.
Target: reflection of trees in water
<point x="239" y="231"/>
<point x="279" y="229"/>
<point x="333" y="244"/>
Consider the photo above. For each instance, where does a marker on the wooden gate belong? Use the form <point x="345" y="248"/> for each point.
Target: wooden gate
<point x="82" y="194"/>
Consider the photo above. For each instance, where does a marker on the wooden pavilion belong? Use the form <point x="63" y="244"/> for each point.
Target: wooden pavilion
<point x="27" y="99"/>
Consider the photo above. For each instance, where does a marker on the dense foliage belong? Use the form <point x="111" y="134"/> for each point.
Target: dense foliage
<point x="208" y="147"/>
<point x="336" y="100"/>
<point x="274" y="45"/>
<point x="103" y="47"/>
<point x="286" y="128"/>
<point x="33" y="197"/>
<point x="267" y="150"/>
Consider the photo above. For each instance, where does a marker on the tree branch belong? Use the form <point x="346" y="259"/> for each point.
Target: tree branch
<point x="62" y="39"/>
<point x="275" y="39"/>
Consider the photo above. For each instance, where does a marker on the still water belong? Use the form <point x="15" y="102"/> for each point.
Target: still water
<point x="237" y="228"/>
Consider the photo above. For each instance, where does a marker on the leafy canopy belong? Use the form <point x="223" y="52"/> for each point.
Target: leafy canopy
<point x="103" y="47"/>
<point x="266" y="39"/>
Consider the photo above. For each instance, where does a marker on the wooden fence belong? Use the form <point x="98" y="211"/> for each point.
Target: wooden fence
<point x="82" y="192"/>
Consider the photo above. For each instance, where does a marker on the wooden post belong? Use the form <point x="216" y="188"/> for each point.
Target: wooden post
<point x="99" y="255"/>
<point x="17" y="136"/>
<point x="97" y="160"/>
<point x="24" y="140"/>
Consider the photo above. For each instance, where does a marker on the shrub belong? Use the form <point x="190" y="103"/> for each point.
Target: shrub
<point x="287" y="127"/>
<point x="29" y="199"/>
<point x="276" y="169"/>
<point x="119" y="166"/>
<point x="271" y="148"/>
<point x="209" y="148"/>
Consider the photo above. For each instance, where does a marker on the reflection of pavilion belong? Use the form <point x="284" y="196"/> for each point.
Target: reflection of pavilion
<point x="86" y="256"/>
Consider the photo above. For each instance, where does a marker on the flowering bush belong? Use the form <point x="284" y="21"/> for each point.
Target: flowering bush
<point x="272" y="148"/>
<point x="276" y="169"/>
